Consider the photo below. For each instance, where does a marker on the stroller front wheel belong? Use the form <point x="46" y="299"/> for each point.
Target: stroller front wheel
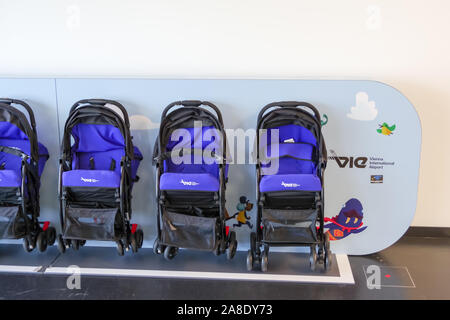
<point x="170" y="252"/>
<point x="312" y="258"/>
<point x="139" y="238"/>
<point x="249" y="260"/>
<point x="120" y="248"/>
<point x="28" y="244"/>
<point x="232" y="246"/>
<point x="42" y="241"/>
<point x="61" y="244"/>
<point x="264" y="261"/>
<point x="158" y="248"/>
<point x="51" y="235"/>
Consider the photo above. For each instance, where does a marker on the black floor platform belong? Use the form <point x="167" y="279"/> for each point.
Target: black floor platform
<point x="414" y="268"/>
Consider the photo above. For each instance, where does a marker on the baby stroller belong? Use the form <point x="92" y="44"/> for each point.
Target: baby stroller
<point x="22" y="160"/>
<point x="96" y="177"/>
<point x="291" y="198"/>
<point x="191" y="193"/>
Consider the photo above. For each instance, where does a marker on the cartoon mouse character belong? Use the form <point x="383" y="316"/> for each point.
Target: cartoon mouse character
<point x="241" y="216"/>
<point x="348" y="221"/>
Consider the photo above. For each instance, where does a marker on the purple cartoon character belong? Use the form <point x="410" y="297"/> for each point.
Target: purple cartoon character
<point x="348" y="221"/>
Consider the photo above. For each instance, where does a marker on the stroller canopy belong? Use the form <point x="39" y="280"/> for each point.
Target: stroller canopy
<point x="290" y="150"/>
<point x="18" y="140"/>
<point x="196" y="137"/>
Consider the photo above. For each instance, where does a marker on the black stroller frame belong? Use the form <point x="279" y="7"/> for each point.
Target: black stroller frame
<point x="126" y="235"/>
<point x="319" y="249"/>
<point x="225" y="240"/>
<point x="25" y="223"/>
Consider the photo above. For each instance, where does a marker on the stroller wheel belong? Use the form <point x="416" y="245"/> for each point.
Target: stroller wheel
<point x="133" y="243"/>
<point x="157" y="248"/>
<point x="327" y="253"/>
<point x="75" y="244"/>
<point x="249" y="260"/>
<point x="51" y="235"/>
<point x="27" y="244"/>
<point x="139" y="237"/>
<point x="120" y="248"/>
<point x="232" y="246"/>
<point x="170" y="252"/>
<point x="253" y="242"/>
<point x="312" y="258"/>
<point x="264" y="261"/>
<point x="42" y="241"/>
<point x="61" y="244"/>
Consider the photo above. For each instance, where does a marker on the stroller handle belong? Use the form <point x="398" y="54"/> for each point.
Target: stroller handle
<point x="193" y="104"/>
<point x="103" y="102"/>
<point x="289" y="104"/>
<point x="25" y="105"/>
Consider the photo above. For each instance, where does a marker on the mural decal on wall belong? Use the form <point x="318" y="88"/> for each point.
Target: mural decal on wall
<point x="141" y="122"/>
<point x="348" y="221"/>
<point x="364" y="110"/>
<point x="385" y="129"/>
<point x="241" y="216"/>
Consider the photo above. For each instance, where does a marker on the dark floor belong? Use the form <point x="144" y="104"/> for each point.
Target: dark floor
<point x="414" y="268"/>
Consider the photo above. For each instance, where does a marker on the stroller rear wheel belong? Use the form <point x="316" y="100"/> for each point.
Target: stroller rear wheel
<point x="75" y="244"/>
<point x="327" y="253"/>
<point x="61" y="244"/>
<point x="232" y="246"/>
<point x="134" y="243"/>
<point x="250" y="261"/>
<point x="170" y="252"/>
<point x="264" y="261"/>
<point x="120" y="248"/>
<point x="158" y="248"/>
<point x="312" y="258"/>
<point x="28" y="244"/>
<point x="41" y="241"/>
<point x="139" y="237"/>
<point x="51" y="235"/>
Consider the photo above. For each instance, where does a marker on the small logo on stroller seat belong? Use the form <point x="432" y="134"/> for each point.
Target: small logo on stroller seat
<point x="89" y="180"/>
<point x="289" y="185"/>
<point x="189" y="183"/>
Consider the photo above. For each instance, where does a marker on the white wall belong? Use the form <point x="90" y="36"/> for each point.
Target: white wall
<point x="404" y="43"/>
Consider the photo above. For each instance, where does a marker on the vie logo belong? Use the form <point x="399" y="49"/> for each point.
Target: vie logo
<point x="189" y="183"/>
<point x="91" y="180"/>
<point x="358" y="162"/>
<point x="289" y="185"/>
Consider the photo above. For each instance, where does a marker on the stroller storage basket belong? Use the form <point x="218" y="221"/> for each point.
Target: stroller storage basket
<point x="188" y="231"/>
<point x="90" y="223"/>
<point x="289" y="226"/>
<point x="12" y="226"/>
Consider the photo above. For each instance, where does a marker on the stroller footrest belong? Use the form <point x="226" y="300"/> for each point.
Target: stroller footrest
<point x="188" y="231"/>
<point x="12" y="225"/>
<point x="289" y="226"/>
<point x="90" y="223"/>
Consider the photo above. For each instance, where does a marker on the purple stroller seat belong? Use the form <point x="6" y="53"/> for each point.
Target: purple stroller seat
<point x="10" y="178"/>
<point x="296" y="168"/>
<point x="97" y="153"/>
<point x="199" y="174"/>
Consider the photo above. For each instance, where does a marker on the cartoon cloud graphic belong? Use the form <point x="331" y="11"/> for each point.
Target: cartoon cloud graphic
<point x="140" y="122"/>
<point x="364" y="110"/>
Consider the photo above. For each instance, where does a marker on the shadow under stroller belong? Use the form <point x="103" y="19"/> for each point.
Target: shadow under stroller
<point x="290" y="199"/>
<point x="190" y="156"/>
<point x="22" y="160"/>
<point x="97" y="172"/>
